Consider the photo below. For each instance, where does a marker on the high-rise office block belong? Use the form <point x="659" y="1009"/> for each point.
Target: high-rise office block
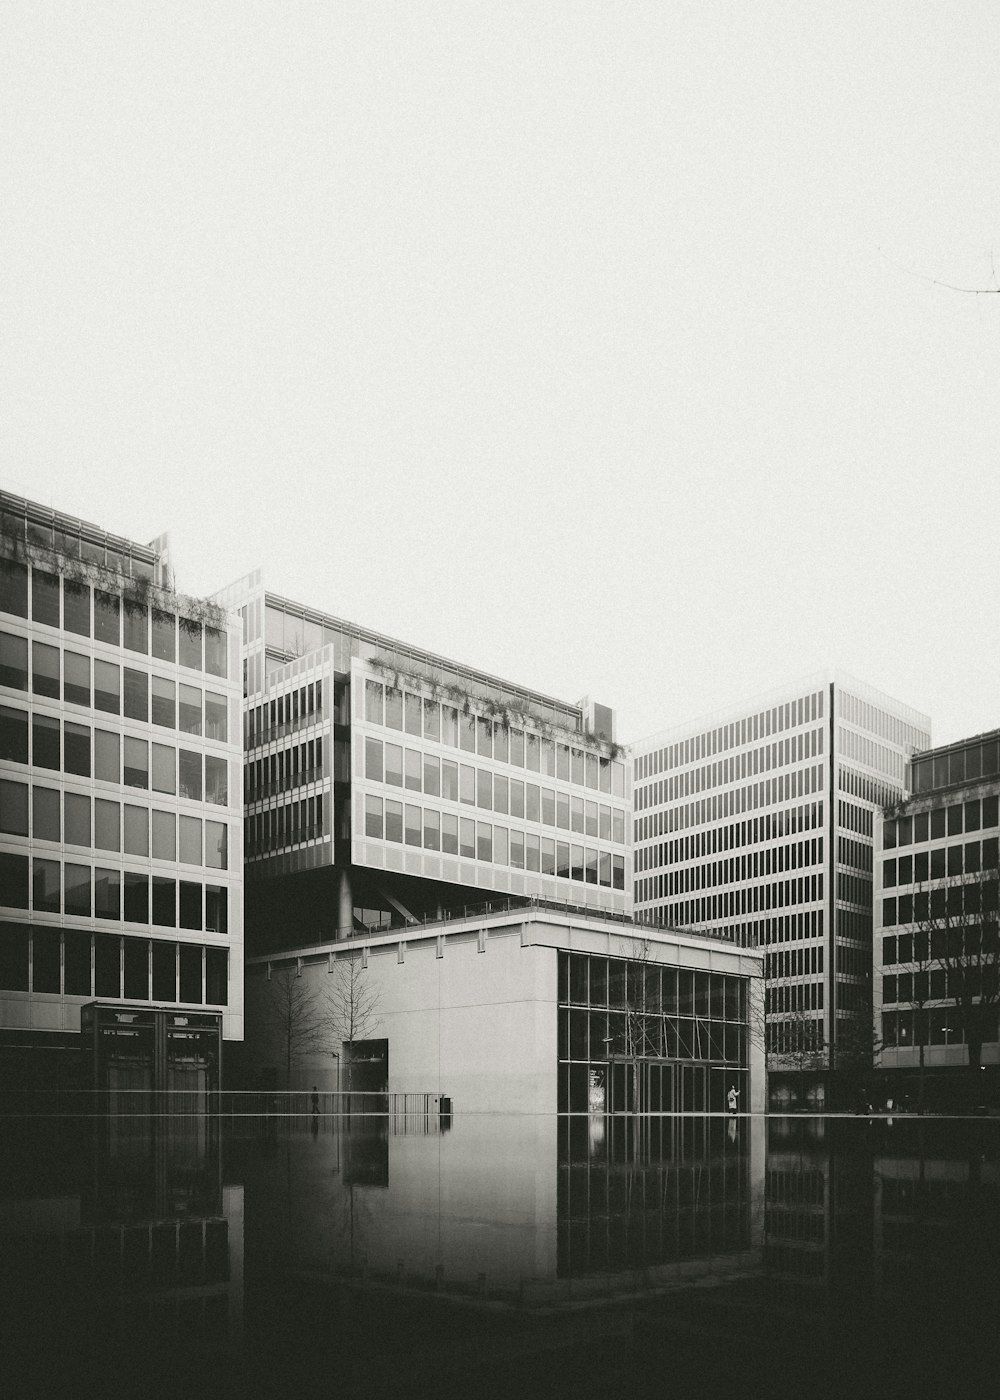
<point x="758" y="820"/>
<point x="937" y="944"/>
<point x="385" y="783"/>
<point x="120" y="805"/>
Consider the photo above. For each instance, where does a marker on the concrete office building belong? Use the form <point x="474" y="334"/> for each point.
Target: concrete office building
<point x="758" y="821"/>
<point x="120" y="809"/>
<point x="937" y="944"/>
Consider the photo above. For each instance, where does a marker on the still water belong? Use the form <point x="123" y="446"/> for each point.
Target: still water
<point x="373" y="1256"/>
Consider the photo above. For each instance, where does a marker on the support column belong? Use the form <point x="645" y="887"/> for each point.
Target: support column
<point x="345" y="905"/>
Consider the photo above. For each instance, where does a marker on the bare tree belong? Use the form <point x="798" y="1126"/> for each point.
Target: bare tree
<point x="798" y="1040"/>
<point x="352" y="1012"/>
<point x="295" y="1016"/>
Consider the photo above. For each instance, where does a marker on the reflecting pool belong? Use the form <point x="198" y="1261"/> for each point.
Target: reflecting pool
<point x="378" y="1255"/>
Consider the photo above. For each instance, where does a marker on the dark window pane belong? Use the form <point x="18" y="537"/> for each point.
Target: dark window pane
<point x="45" y="747"/>
<point x="136" y="695"/>
<point x="164" y="636"/>
<point x="216" y="909"/>
<point x="164" y="703"/>
<point x="76" y="958"/>
<point x="77" y="819"/>
<point x="190" y="916"/>
<point x="136" y="966"/>
<point x="45" y="670"/>
<point x="136" y="763"/>
<point x="107" y="825"/>
<point x="76" y="678"/>
<point x="107" y="965"/>
<point x="107" y="687"/>
<point x="216" y="780"/>
<point x="77" y="894"/>
<point x="107" y="617"/>
<point x="136" y="902"/>
<point x="107" y="893"/>
<point x="216" y="976"/>
<point x="13" y="588"/>
<point x="14" y="735"/>
<point x="76" y="749"/>
<point x="164" y="901"/>
<point x="189" y="643"/>
<point x="76" y="607"/>
<point x="190" y="960"/>
<point x="189" y="775"/>
<point x="46" y="885"/>
<point x="164" y="971"/>
<point x="215" y="652"/>
<point x="45" y="814"/>
<point x="135" y="632"/>
<point x="45" y="597"/>
<point x="14" y="808"/>
<point x="13" y="880"/>
<point x="13" y="661"/>
<point x="136" y="830"/>
<point x="13" y="957"/>
<point x="217" y="845"/>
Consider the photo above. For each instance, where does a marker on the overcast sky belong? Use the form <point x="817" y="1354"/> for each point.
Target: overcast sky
<point x="593" y="344"/>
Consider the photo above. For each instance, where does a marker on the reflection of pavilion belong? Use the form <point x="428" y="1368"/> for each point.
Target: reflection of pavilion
<point x="523" y="1211"/>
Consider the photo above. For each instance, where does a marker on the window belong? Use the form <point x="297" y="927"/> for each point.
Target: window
<point x="393" y="708"/>
<point x="107" y="965"/>
<point x="107" y="687"/>
<point x="216" y="780"/>
<point x="373" y="815"/>
<point x="548" y="807"/>
<point x="467" y="838"/>
<point x="164" y="702"/>
<point x="14" y="735"/>
<point x="467" y="732"/>
<point x="190" y="840"/>
<point x="432" y="720"/>
<point x="45" y="814"/>
<point x="412" y="708"/>
<point x="432" y="830"/>
<point x="532" y="853"/>
<point x="45" y="598"/>
<point x="189" y="643"/>
<point x="517" y="849"/>
<point x="190" y="973"/>
<point x="164" y="768"/>
<point x="216" y="976"/>
<point x="45" y="745"/>
<point x="393" y="821"/>
<point x="136" y="830"/>
<point x="135" y="633"/>
<point x="164" y="901"/>
<point x="449" y="834"/>
<point x="164" y="636"/>
<point x="190" y="908"/>
<point x="76" y="809"/>
<point x="107" y="618"/>
<point x="14" y="808"/>
<point x="13" y="880"/>
<point x="516" y="798"/>
<point x="46" y="888"/>
<point x="107" y="756"/>
<point x="532" y="802"/>
<point x="13" y="661"/>
<point x="77" y="893"/>
<point x="484" y="788"/>
<point x="413" y="770"/>
<point x="484" y="737"/>
<point x="190" y="709"/>
<point x="449" y="725"/>
<point x="215" y="652"/>
<point x="449" y="780"/>
<point x="216" y="716"/>
<point x="107" y="893"/>
<point x="484" y="841"/>
<point x="44" y="959"/>
<point x="136" y="695"/>
<point x="189" y="774"/>
<point x="136" y="897"/>
<point x="164" y="836"/>
<point x="432" y="775"/>
<point x="373" y="702"/>
<point x="467" y="787"/>
<point x="45" y="670"/>
<point x="13" y="588"/>
<point x="216" y="845"/>
<point x="373" y="760"/>
<point x="414" y="825"/>
<point x="107" y="825"/>
<point x="216" y="909"/>
<point x="394" y="764"/>
<point x="136" y="763"/>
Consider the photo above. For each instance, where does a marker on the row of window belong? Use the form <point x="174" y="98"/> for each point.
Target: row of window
<point x="794" y="1037"/>
<point x="731" y="904"/>
<point x="876" y="721"/>
<point x="941" y="1025"/>
<point x="73" y="606"/>
<point x="952" y="943"/>
<point x="116" y="690"/>
<point x="771" y="757"/>
<point x="479" y="787"/>
<point x="871" y="753"/>
<point x="289" y="825"/>
<point x="854" y="889"/>
<point x="446" y="724"/>
<point x="969" y="858"/>
<point x="953" y="902"/>
<point x="274" y="717"/>
<point x="785" y="788"/>
<point x="965" y="765"/>
<point x="604" y="1035"/>
<point x="498" y="845"/>
<point x="75" y="962"/>
<point x="112" y="758"/>
<point x="107" y="825"/>
<point x="772" y="860"/>
<point x="767" y="828"/>
<point x="856" y="854"/>
<point x="285" y="768"/>
<point x="793" y="997"/>
<point x="65" y="887"/>
<point x="794" y="962"/>
<point x="976" y="815"/>
<point x="730" y="736"/>
<point x="929" y="984"/>
<point x="854" y="818"/>
<point x="592" y="980"/>
<point x="868" y="789"/>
